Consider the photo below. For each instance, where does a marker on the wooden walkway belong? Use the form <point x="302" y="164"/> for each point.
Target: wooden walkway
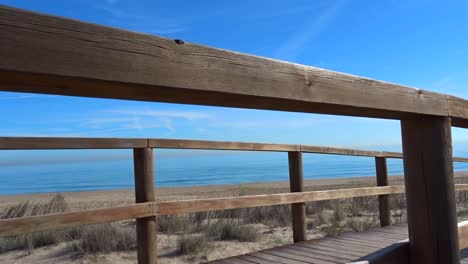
<point x="344" y="248"/>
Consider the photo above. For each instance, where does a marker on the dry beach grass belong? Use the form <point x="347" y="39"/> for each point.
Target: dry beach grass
<point x="191" y="238"/>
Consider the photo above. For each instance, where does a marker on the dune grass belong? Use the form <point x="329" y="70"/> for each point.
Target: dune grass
<point x="198" y="233"/>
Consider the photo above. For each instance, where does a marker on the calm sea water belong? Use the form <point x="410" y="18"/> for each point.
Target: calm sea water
<point x="60" y="171"/>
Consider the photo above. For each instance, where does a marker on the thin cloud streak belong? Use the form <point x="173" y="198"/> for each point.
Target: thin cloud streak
<point x="141" y="120"/>
<point x="455" y="84"/>
<point x="140" y="22"/>
<point x="128" y="123"/>
<point x="188" y="115"/>
<point x="302" y="121"/>
<point x="296" y="44"/>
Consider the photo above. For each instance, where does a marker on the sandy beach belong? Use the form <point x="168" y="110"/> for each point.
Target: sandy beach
<point x="99" y="199"/>
<point x="271" y="236"/>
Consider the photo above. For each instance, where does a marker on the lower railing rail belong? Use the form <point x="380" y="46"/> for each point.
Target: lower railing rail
<point x="16" y="226"/>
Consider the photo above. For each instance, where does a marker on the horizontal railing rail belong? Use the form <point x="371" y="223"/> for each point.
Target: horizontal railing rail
<point x="16" y="226"/>
<point x="147" y="207"/>
<point x="183" y="72"/>
<point x="42" y="143"/>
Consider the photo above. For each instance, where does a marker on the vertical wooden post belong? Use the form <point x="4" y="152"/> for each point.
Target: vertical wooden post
<point x="296" y="180"/>
<point x="144" y="192"/>
<point x="432" y="219"/>
<point x="382" y="180"/>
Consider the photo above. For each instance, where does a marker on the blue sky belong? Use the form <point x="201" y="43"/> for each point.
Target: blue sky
<point x="419" y="43"/>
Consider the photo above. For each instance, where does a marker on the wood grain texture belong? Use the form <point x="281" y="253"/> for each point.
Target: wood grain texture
<point x="219" y="145"/>
<point x="384" y="245"/>
<point x="144" y="192"/>
<point x="458" y="110"/>
<point x="15" y="226"/>
<point x="430" y="195"/>
<point x="296" y="183"/>
<point x="200" y="205"/>
<point x="48" y="54"/>
<point x="30" y="143"/>
<point x="344" y="248"/>
<point x="340" y="151"/>
<point x="384" y="200"/>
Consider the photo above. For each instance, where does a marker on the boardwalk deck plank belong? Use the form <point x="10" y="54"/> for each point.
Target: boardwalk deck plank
<point x="318" y="253"/>
<point x="344" y="248"/>
<point x="308" y="251"/>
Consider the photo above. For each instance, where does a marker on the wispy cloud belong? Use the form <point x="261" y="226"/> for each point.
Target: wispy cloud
<point x="313" y="27"/>
<point x="141" y="121"/>
<point x="455" y="83"/>
<point x="114" y="124"/>
<point x="112" y="10"/>
<point x="136" y="20"/>
<point x="260" y="123"/>
<point x="188" y="115"/>
<point x="240" y="120"/>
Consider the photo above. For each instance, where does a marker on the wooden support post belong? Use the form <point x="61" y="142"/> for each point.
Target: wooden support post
<point x="144" y="192"/>
<point x="296" y="180"/>
<point x="432" y="219"/>
<point x="382" y="180"/>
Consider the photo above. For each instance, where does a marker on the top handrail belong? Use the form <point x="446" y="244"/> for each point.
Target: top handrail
<point x="52" y="55"/>
<point x="38" y="143"/>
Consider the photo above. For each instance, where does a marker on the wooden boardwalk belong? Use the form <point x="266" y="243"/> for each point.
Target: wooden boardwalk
<point x="344" y="248"/>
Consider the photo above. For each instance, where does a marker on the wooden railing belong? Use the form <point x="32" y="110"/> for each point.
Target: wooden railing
<point x="146" y="208"/>
<point x="52" y="55"/>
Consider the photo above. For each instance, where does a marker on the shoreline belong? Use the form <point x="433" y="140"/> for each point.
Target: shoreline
<point x="80" y="200"/>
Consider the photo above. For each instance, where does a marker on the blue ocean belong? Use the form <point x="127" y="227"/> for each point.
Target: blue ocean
<point x="79" y="170"/>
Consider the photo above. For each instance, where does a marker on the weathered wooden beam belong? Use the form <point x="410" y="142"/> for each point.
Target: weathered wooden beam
<point x="296" y="184"/>
<point x="30" y="143"/>
<point x="430" y="194"/>
<point x="459" y="159"/>
<point x="340" y="151"/>
<point x="15" y="226"/>
<point x="144" y="192"/>
<point x="384" y="200"/>
<point x="52" y="55"/>
<point x="212" y="204"/>
<point x="219" y="145"/>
